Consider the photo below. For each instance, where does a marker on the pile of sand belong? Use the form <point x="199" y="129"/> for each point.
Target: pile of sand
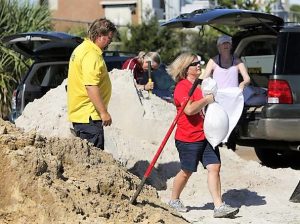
<point x="61" y="181"/>
<point x="139" y="126"/>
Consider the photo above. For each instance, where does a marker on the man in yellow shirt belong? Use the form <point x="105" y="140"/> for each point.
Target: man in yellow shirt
<point x="89" y="85"/>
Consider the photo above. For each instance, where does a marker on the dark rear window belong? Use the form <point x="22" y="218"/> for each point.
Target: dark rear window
<point x="260" y="47"/>
<point x="287" y="60"/>
<point x="50" y="76"/>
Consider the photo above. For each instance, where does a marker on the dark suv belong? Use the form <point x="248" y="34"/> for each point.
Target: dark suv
<point x="271" y="51"/>
<point x="50" y="52"/>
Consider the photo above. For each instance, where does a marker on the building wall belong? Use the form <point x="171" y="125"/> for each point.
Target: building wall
<point x="73" y="13"/>
<point x="70" y="13"/>
<point x="172" y="9"/>
<point x="200" y="4"/>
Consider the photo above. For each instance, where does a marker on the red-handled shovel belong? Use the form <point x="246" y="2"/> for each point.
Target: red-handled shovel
<point x="162" y="145"/>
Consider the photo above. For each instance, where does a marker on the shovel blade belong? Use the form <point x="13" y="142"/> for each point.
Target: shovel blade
<point x="296" y="194"/>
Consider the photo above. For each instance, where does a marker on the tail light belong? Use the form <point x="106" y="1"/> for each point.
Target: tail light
<point x="14" y="100"/>
<point x="279" y="91"/>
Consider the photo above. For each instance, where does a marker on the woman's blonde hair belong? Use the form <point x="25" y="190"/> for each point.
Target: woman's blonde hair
<point x="150" y="56"/>
<point x="178" y="68"/>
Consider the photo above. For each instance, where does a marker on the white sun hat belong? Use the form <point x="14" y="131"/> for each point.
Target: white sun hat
<point x="223" y="39"/>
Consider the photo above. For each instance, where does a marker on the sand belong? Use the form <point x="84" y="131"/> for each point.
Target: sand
<point x="139" y="126"/>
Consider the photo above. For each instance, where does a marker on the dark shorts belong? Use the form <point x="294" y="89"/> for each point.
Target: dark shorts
<point x="191" y="153"/>
<point x="93" y="132"/>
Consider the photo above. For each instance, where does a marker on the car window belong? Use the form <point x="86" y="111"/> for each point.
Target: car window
<point x="30" y="46"/>
<point x="113" y="64"/>
<point x="113" y="61"/>
<point x="260" y="47"/>
<point x="287" y="61"/>
<point x="50" y="75"/>
<point x="39" y="76"/>
<point x="258" y="53"/>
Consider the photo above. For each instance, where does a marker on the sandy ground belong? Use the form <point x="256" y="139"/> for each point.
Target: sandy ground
<point x="139" y="125"/>
<point x="247" y="153"/>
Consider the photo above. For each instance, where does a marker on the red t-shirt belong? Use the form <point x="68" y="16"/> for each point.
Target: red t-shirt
<point x="137" y="70"/>
<point x="189" y="128"/>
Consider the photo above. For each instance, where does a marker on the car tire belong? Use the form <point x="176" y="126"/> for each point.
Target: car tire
<point x="272" y="158"/>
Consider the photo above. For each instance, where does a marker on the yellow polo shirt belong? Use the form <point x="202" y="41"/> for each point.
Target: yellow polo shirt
<point x="86" y="67"/>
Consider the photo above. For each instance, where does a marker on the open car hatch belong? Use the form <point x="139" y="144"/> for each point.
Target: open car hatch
<point x="231" y="17"/>
<point x="39" y="45"/>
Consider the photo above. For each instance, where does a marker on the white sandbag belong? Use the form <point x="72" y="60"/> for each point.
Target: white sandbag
<point x="209" y="86"/>
<point x="216" y="124"/>
<point x="232" y="101"/>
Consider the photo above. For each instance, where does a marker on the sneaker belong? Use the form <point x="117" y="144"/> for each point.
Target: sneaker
<point x="177" y="205"/>
<point x="225" y="211"/>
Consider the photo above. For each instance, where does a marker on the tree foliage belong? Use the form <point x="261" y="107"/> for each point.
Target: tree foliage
<point x="16" y="18"/>
<point x="150" y="36"/>
<point x="295" y="13"/>
<point x="247" y="4"/>
<point x="295" y="8"/>
<point x="241" y="4"/>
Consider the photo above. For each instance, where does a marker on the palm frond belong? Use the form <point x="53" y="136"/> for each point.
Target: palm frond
<point x="17" y="18"/>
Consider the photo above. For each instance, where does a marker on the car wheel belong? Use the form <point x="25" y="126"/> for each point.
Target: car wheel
<point x="272" y="158"/>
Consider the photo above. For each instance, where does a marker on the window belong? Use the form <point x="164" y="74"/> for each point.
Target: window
<point x="260" y="47"/>
<point x="119" y="15"/>
<point x="287" y="61"/>
<point x="50" y="75"/>
<point x="258" y="55"/>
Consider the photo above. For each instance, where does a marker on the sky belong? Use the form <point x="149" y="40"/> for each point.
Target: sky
<point x="294" y="2"/>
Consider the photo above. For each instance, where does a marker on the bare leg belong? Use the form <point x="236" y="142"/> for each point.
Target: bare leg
<point x="179" y="183"/>
<point x="214" y="183"/>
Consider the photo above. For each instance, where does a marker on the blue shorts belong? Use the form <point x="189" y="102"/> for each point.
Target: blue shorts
<point x="93" y="132"/>
<point x="191" y="153"/>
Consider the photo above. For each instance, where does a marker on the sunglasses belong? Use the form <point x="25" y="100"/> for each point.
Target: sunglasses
<point x="195" y="63"/>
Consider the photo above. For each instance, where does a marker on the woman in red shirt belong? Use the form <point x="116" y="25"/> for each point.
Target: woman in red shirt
<point x="189" y="136"/>
<point x="139" y="66"/>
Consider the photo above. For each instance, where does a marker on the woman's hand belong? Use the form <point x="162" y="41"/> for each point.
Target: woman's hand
<point x="242" y="85"/>
<point x="149" y="86"/>
<point x="209" y="98"/>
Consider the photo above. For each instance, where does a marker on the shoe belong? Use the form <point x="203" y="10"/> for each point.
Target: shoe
<point x="225" y="211"/>
<point x="177" y="205"/>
